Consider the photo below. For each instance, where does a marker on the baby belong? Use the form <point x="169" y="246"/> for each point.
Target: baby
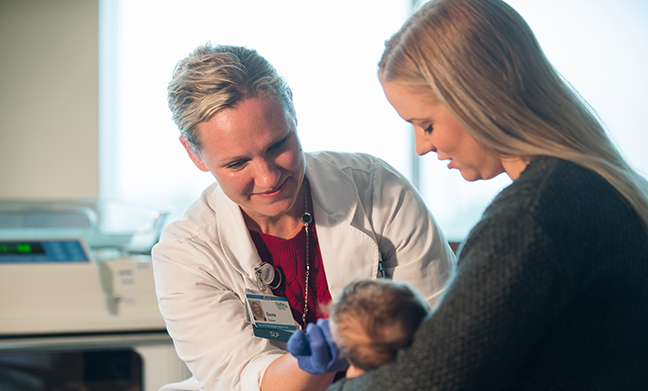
<point x="372" y="319"/>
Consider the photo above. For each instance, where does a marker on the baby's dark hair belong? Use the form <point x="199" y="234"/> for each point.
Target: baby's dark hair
<point x="389" y="313"/>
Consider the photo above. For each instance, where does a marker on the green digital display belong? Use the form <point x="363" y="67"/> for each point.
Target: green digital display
<point x="21" y="248"/>
<point x="42" y="251"/>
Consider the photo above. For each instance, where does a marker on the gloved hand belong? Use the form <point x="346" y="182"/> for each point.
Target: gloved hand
<point x="315" y="350"/>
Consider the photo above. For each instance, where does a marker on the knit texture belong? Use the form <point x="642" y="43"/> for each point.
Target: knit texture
<point x="289" y="258"/>
<point x="551" y="293"/>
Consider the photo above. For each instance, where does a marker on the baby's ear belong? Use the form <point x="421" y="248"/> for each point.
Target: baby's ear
<point x="354" y="371"/>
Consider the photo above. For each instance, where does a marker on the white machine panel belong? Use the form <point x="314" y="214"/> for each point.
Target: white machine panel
<point x="54" y="286"/>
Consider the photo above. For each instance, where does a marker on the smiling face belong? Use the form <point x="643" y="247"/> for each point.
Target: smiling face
<point x="437" y="130"/>
<point x="255" y="155"/>
<point x="257" y="310"/>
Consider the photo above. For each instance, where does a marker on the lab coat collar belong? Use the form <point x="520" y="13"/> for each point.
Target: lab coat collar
<point x="338" y="202"/>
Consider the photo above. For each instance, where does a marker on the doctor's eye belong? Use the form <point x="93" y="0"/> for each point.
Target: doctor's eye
<point x="278" y="145"/>
<point x="428" y="129"/>
<point x="236" y="165"/>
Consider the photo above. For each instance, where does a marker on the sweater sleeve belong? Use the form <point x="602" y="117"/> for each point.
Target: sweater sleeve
<point x="503" y="298"/>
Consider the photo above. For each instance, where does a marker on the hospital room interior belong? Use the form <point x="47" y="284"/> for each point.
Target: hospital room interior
<point x="91" y="169"/>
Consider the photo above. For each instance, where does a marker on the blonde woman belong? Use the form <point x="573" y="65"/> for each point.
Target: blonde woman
<point x="551" y="290"/>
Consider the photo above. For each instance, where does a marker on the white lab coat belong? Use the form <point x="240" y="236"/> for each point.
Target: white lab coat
<point x="369" y="220"/>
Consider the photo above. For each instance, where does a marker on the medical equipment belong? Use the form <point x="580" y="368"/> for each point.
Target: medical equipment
<point x="76" y="278"/>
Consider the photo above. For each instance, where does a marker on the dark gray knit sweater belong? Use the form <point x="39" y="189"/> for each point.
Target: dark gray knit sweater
<point x="551" y="293"/>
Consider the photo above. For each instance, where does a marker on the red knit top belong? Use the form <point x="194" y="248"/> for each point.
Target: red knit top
<point x="289" y="259"/>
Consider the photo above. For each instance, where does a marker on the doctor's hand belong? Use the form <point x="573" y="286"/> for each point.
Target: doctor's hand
<point x="315" y="349"/>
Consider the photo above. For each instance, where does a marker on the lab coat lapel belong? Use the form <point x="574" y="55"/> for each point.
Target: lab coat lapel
<point x="347" y="252"/>
<point x="237" y="244"/>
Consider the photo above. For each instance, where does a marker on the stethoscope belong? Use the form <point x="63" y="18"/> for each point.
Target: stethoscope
<point x="267" y="276"/>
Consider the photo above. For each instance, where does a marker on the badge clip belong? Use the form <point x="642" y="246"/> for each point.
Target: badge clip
<point x="267" y="276"/>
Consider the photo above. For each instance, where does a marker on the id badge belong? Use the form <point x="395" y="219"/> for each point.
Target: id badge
<point x="270" y="316"/>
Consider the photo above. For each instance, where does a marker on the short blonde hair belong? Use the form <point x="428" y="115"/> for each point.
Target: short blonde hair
<point x="213" y="78"/>
<point x="481" y="59"/>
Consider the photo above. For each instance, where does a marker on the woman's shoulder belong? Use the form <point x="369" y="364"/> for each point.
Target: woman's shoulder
<point x="569" y="203"/>
<point x="342" y="178"/>
<point x="200" y="216"/>
<point x="359" y="167"/>
<point x="343" y="160"/>
<point x="553" y="183"/>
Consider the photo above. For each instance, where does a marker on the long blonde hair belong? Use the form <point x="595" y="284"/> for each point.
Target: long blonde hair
<point x="481" y="59"/>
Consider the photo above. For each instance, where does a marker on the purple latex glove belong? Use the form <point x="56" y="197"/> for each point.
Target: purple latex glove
<point x="315" y="349"/>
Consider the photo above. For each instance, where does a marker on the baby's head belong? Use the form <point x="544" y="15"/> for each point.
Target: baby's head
<point x="372" y="319"/>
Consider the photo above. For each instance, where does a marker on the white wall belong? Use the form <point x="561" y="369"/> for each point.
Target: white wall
<point x="48" y="99"/>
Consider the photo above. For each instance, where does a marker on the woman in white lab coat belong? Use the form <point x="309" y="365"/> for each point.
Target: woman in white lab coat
<point x="316" y="221"/>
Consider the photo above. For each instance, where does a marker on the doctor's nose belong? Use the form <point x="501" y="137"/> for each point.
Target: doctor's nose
<point x="423" y="141"/>
<point x="267" y="175"/>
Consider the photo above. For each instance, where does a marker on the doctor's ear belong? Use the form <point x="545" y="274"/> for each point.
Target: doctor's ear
<point x="195" y="157"/>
